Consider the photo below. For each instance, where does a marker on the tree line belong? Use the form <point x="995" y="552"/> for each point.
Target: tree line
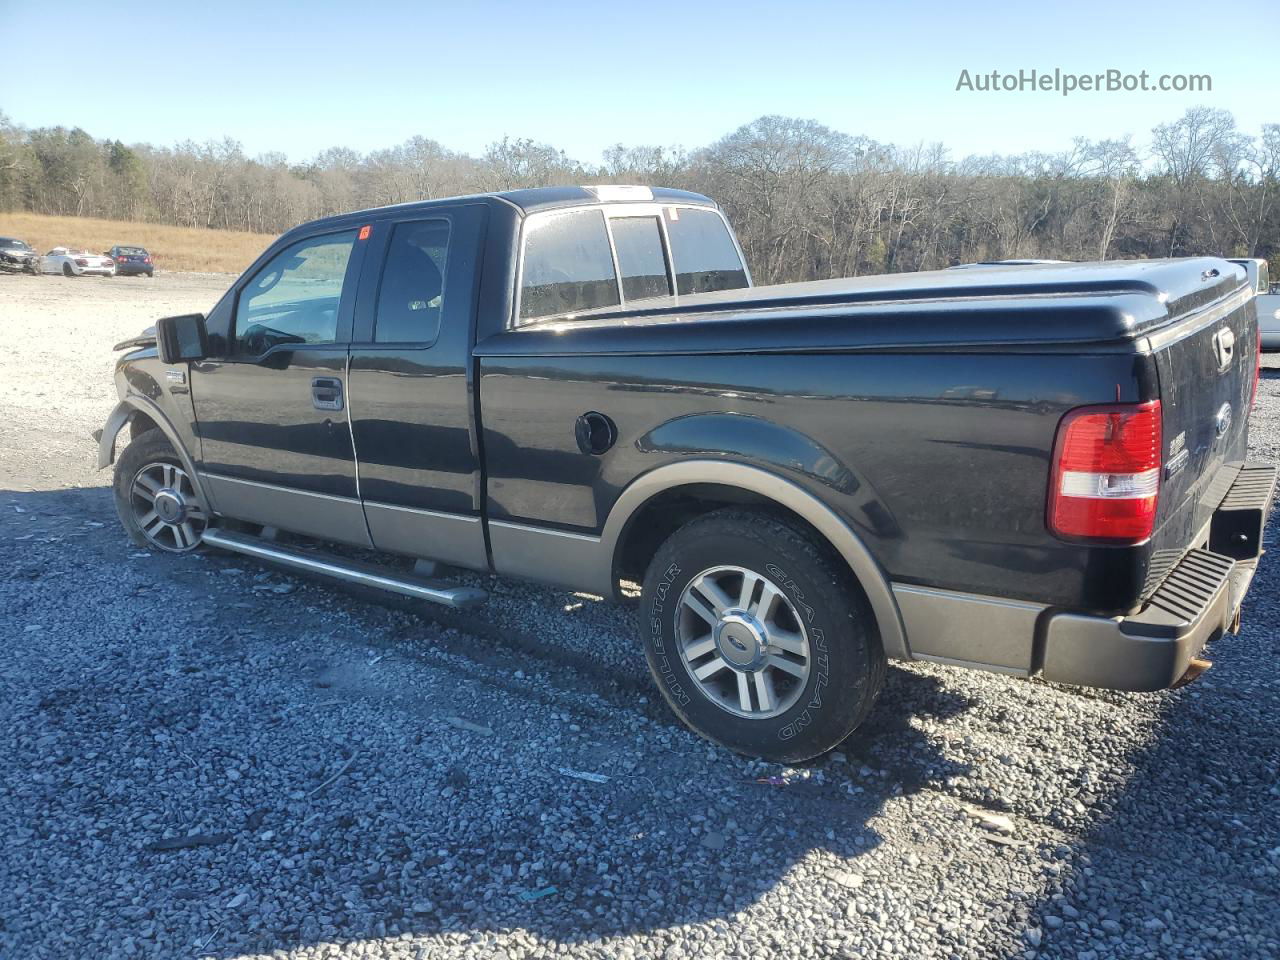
<point x="807" y="201"/>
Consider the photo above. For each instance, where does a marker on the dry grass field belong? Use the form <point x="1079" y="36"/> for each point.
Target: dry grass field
<point x="174" y="248"/>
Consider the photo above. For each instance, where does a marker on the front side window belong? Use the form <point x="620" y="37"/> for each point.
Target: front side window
<point x="638" y="242"/>
<point x="703" y="252"/>
<point x="411" y="295"/>
<point x="568" y="267"/>
<point x="294" y="298"/>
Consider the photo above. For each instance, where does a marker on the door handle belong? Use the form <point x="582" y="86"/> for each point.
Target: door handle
<point x="326" y="393"/>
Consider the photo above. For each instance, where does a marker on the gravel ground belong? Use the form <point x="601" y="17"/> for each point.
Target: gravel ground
<point x="203" y="757"/>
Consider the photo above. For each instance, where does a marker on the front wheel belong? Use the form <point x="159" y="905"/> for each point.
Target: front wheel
<point x="758" y="637"/>
<point x="155" y="497"/>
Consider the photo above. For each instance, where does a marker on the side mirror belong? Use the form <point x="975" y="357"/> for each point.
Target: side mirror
<point x="182" y="338"/>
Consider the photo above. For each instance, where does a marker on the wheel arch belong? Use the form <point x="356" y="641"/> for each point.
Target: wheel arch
<point x="139" y="412"/>
<point x="716" y="483"/>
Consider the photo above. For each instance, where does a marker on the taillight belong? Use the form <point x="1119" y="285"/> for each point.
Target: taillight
<point x="146" y="259"/>
<point x="1106" y="473"/>
<point x="122" y="259"/>
<point x="81" y="262"/>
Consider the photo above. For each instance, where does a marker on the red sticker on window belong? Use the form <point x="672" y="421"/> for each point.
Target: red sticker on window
<point x="365" y="231"/>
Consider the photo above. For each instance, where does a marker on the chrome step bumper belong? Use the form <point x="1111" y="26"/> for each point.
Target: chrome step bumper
<point x="327" y="565"/>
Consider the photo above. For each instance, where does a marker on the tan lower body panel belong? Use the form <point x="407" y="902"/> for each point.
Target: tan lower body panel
<point x="298" y="511"/>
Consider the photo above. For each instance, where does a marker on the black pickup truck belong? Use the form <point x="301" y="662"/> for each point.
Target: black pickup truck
<point x="1034" y="469"/>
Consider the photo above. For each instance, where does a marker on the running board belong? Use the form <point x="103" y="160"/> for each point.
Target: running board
<point x="327" y="565"/>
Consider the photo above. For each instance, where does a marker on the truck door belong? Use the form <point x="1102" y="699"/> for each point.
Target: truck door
<point x="272" y="413"/>
<point x="410" y="386"/>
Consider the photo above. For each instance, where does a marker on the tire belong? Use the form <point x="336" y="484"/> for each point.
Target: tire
<point x="155" y="498"/>
<point x="813" y="699"/>
<point x="67" y="271"/>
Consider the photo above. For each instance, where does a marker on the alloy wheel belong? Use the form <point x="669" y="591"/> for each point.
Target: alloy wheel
<point x="166" y="508"/>
<point x="743" y="642"/>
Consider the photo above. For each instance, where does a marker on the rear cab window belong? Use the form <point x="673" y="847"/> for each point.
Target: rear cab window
<point x="592" y="259"/>
<point x="704" y="253"/>
<point x="568" y="266"/>
<point x="641" y="257"/>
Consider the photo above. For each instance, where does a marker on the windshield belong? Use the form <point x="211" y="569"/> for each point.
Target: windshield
<point x="131" y="251"/>
<point x="9" y="243"/>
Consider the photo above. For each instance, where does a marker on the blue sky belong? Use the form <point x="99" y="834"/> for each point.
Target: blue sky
<point x="296" y="78"/>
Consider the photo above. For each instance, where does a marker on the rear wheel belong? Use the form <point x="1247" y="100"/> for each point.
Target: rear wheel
<point x="155" y="497"/>
<point x="758" y="637"/>
<point x="67" y="271"/>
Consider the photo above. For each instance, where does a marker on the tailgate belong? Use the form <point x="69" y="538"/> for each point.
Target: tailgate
<point x="1206" y="364"/>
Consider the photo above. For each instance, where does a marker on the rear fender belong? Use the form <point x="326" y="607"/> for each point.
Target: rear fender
<point x="753" y="439"/>
<point x="870" y="575"/>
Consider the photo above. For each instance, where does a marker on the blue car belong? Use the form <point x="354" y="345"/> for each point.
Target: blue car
<point x="132" y="261"/>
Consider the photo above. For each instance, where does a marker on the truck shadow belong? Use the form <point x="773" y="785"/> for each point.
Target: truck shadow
<point x="482" y="838"/>
<point x="1184" y="860"/>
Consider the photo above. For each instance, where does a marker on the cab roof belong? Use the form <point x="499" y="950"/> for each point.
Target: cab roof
<point x="545" y="198"/>
<point x="533" y="200"/>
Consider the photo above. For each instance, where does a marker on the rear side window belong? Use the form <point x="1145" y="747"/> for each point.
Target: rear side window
<point x="568" y="267"/>
<point x="638" y="243"/>
<point x="411" y="295"/>
<point x="703" y="252"/>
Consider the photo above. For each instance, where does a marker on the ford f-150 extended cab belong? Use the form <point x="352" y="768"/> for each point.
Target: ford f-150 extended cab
<point x="1035" y="469"/>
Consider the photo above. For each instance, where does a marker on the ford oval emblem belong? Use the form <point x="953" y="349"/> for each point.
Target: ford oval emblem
<point x="1222" y="422"/>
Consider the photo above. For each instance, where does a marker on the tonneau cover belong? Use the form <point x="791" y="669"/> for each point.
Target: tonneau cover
<point x="1041" y="304"/>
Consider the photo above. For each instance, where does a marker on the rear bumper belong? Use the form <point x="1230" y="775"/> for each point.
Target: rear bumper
<point x="1150" y="650"/>
<point x="1196" y="603"/>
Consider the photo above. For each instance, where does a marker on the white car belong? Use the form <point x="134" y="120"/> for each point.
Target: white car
<point x="77" y="263"/>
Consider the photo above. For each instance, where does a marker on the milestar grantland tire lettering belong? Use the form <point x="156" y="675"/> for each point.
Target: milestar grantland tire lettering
<point x="671" y="684"/>
<point x="822" y="661"/>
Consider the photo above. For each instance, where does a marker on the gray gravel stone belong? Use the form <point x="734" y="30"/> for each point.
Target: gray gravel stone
<point x="168" y="726"/>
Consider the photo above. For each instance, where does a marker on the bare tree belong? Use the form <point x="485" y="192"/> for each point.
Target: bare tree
<point x="807" y="201"/>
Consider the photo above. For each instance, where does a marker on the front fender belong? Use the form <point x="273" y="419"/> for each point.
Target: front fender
<point x="110" y="430"/>
<point x="126" y="410"/>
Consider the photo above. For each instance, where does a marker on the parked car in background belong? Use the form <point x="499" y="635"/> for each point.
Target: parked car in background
<point x="72" y="262"/>
<point x="16" y="254"/>
<point x="1258" y="271"/>
<point x="132" y="261"/>
<point x="1268" y="300"/>
<point x="1268" y="306"/>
